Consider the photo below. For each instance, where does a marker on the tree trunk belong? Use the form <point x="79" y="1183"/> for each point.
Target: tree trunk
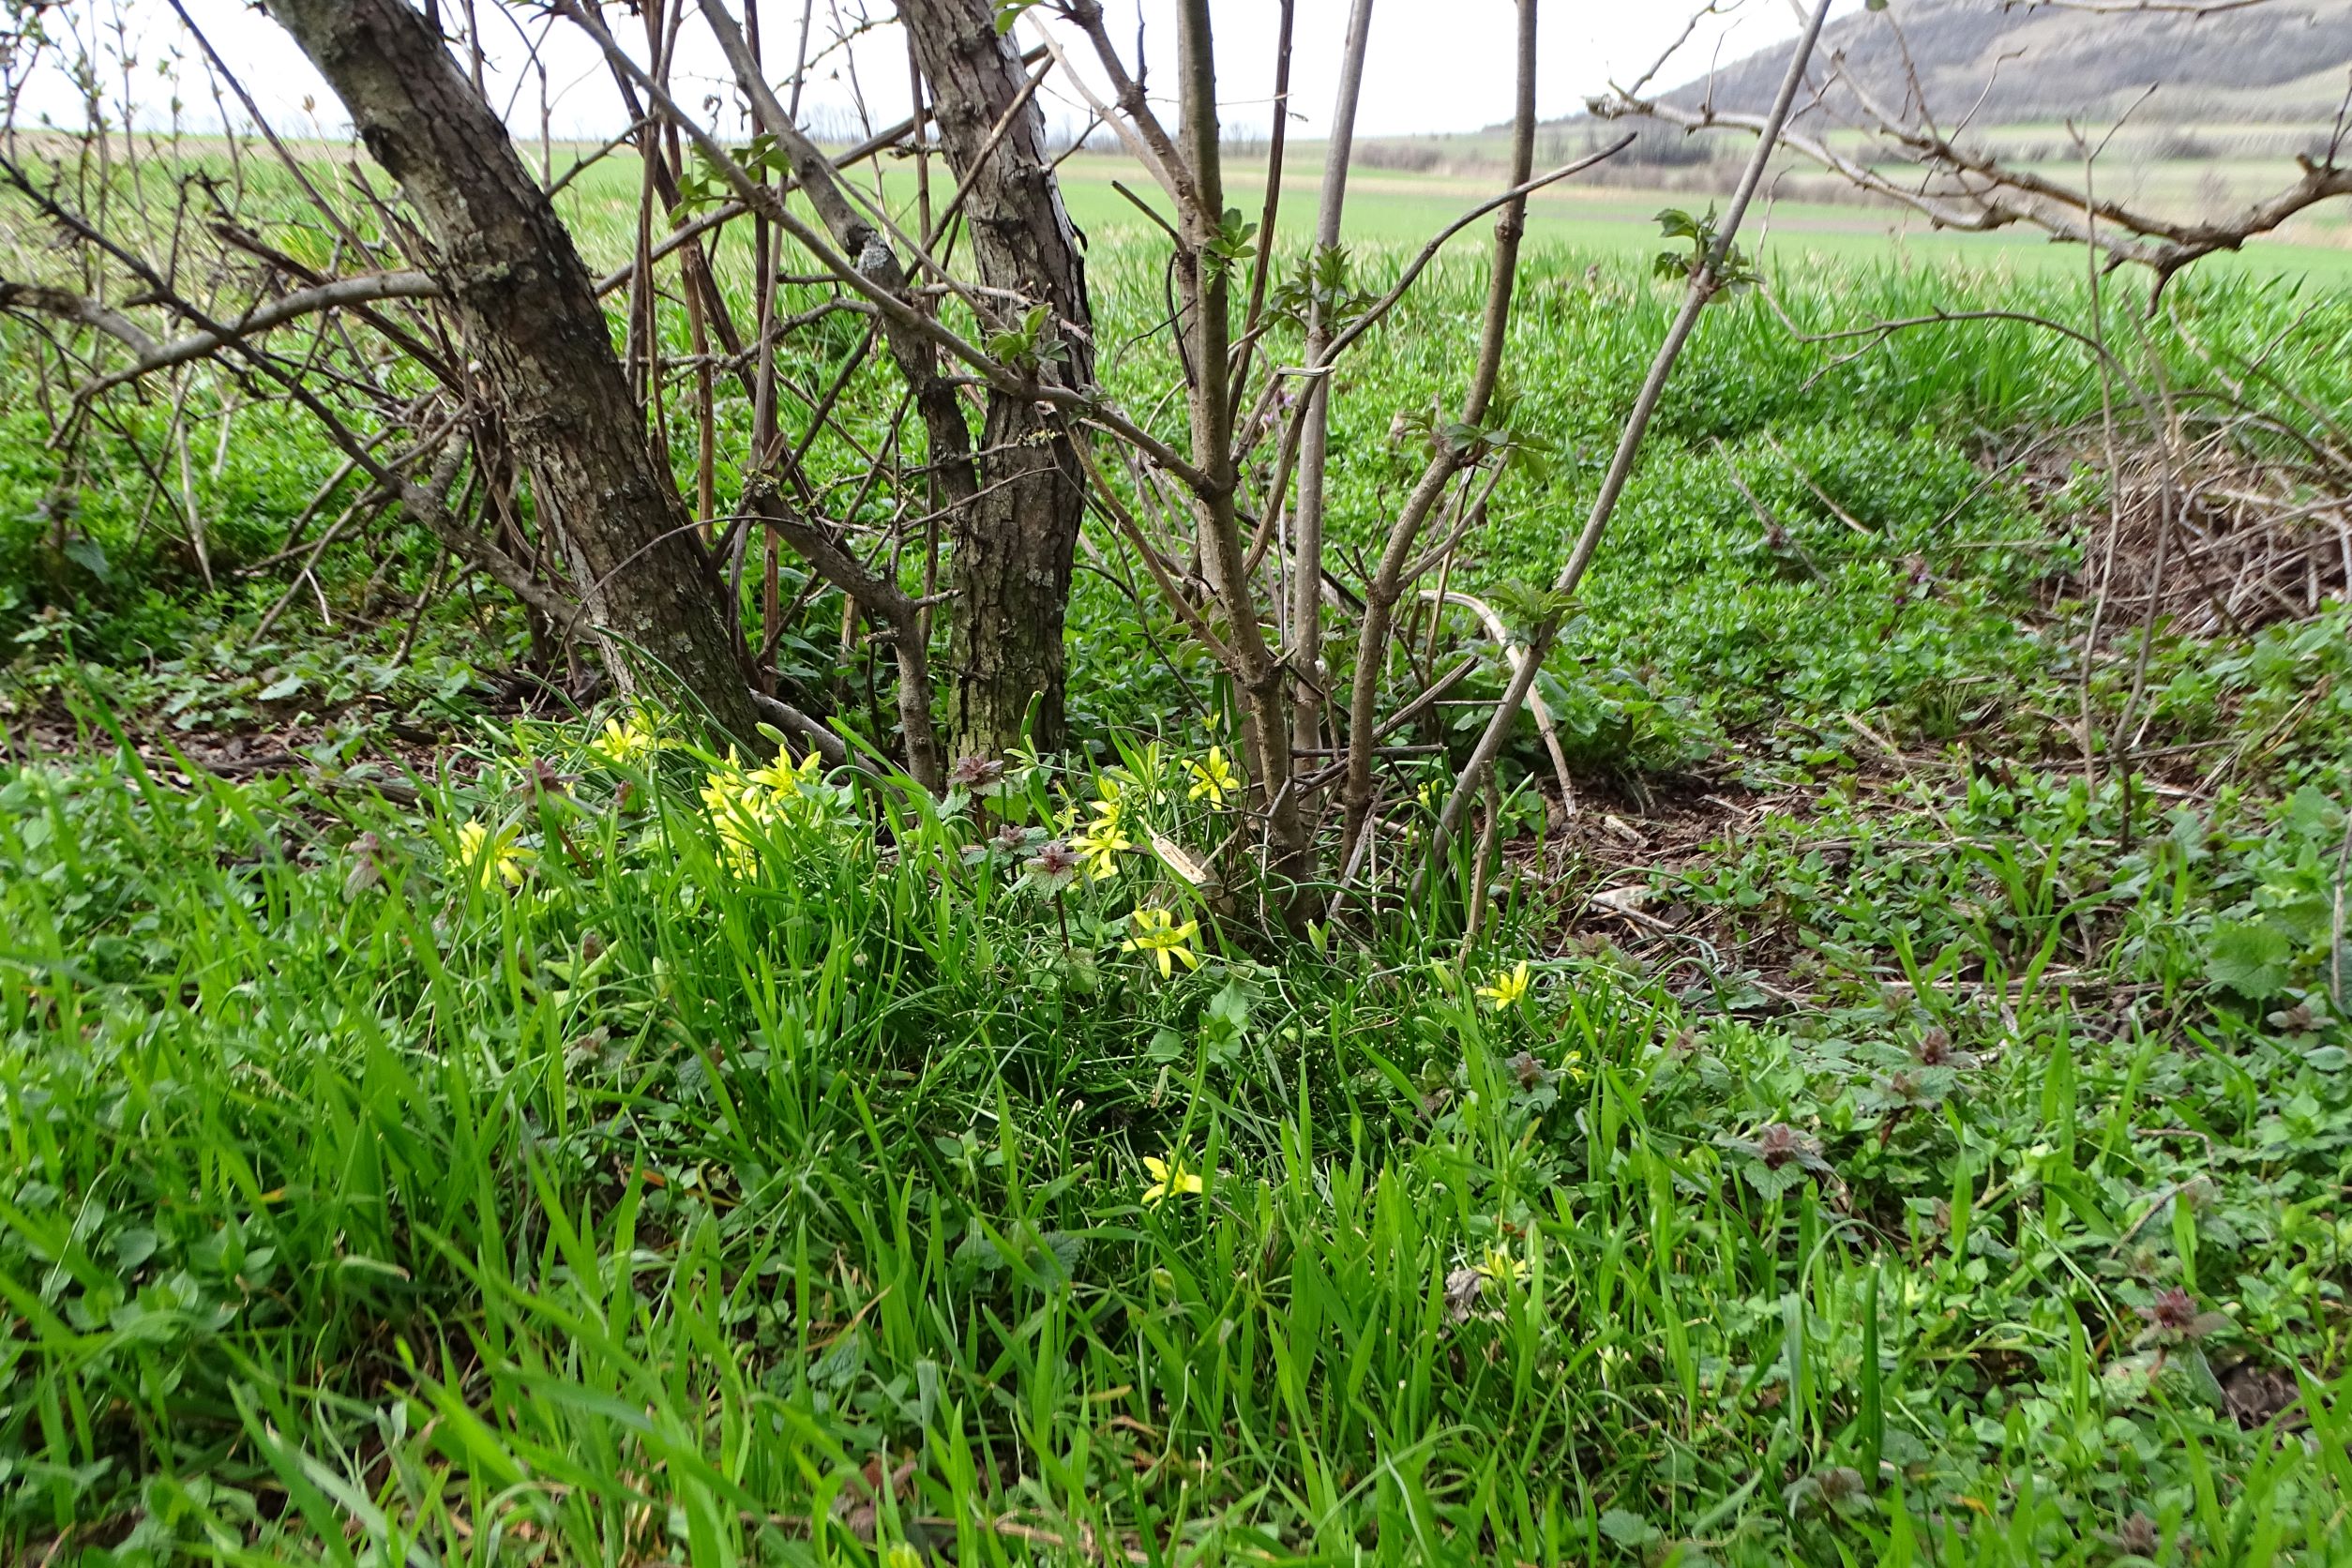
<point x="529" y="315"/>
<point x="1015" y="537"/>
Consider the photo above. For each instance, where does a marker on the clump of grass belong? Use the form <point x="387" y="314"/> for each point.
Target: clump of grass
<point x="586" y="1186"/>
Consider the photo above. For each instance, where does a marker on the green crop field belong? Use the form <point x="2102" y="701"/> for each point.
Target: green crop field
<point x="1393" y="207"/>
<point x="444" y="1126"/>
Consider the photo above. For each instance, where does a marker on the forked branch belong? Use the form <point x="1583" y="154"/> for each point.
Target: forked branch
<point x="1963" y="186"/>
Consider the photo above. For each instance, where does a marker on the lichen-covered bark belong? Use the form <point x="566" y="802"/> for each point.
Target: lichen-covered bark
<point x="1015" y="538"/>
<point x="527" y="310"/>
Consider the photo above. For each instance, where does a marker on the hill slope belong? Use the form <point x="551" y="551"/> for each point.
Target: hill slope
<point x="2285" y="61"/>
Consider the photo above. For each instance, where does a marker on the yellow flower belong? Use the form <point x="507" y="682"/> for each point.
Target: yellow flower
<point x="495" y="857"/>
<point x="1501" y="1268"/>
<point x="787" y="780"/>
<point x="1169" y="1178"/>
<point x="624" y="745"/>
<point x="1101" y="845"/>
<point x="1213" y="779"/>
<point x="1157" y="933"/>
<point x="1506" y="991"/>
<point x="722" y="785"/>
<point x="739" y="810"/>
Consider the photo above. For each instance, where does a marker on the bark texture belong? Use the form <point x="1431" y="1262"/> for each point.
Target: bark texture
<point x="527" y="308"/>
<point x="1016" y="536"/>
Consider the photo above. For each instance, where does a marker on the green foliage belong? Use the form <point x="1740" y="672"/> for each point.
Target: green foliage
<point x="1232" y="243"/>
<point x="1320" y="280"/>
<point x="544" y="1170"/>
<point x="1022" y="348"/>
<point x="89" y="541"/>
<point x="536" y="1156"/>
<point x="704" y="185"/>
<point x="1732" y="271"/>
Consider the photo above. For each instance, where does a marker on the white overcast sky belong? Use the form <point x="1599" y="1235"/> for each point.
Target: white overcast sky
<point x="1435" y="65"/>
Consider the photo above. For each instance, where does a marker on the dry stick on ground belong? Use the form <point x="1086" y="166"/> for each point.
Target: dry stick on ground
<point x="1706" y="278"/>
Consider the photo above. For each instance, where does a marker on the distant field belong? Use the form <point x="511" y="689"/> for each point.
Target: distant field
<point x="1393" y="207"/>
<point x="2174" y="170"/>
<point x="1388" y="207"/>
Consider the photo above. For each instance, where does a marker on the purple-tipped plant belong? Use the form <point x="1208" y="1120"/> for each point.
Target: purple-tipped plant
<point x="1054" y="868"/>
<point x="2173" y="1319"/>
<point x="1778" y="1157"/>
<point x="979" y="775"/>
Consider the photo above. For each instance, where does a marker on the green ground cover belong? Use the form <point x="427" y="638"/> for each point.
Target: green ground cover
<point x="535" y="1149"/>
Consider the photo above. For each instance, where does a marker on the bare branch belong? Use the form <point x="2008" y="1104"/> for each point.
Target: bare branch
<point x="1133" y="120"/>
<point x="68" y="306"/>
<point x="1705" y="280"/>
<point x="1388" y="581"/>
<point x="1305" y="652"/>
<point x="894" y="307"/>
<point x="1972" y="191"/>
<point x="341" y="292"/>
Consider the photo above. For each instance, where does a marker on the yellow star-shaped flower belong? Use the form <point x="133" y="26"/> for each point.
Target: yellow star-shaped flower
<point x="1157" y="933"/>
<point x="786" y="778"/>
<point x="1214" y="780"/>
<point x="1507" y="989"/>
<point x="1501" y="1268"/>
<point x="1101" y="845"/>
<point x="1169" y="1179"/>
<point x="495" y="857"/>
<point x="624" y="745"/>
